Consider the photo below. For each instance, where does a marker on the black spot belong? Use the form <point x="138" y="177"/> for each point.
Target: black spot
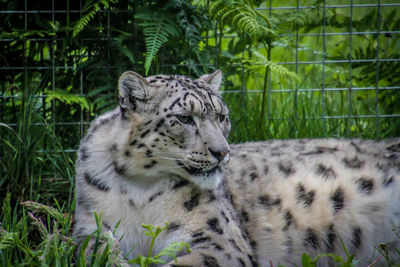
<point x="286" y="168"/>
<point x="114" y="147"/>
<point x="131" y="203"/>
<point x="288" y="220"/>
<point x="83" y="200"/>
<point x="289" y="244"/>
<point x="209" y="261"/>
<point x="245" y="215"/>
<point x="173" y="226"/>
<point x="303" y="196"/>
<point x="155" y="195"/>
<point x="394" y="148"/>
<point x="356" y="147"/>
<point x="213" y="225"/>
<point x="354" y="163"/>
<point x="276" y="202"/>
<point x="119" y="169"/>
<point x="224" y="216"/>
<point x="311" y="239"/>
<point x="253" y="176"/>
<point x="356" y="240"/>
<point x="253" y="244"/>
<point x="387" y="181"/>
<point x="326" y="172"/>
<point x="144" y="133"/>
<point x="266" y="169"/>
<point x="141" y="145"/>
<point x="234" y="245"/>
<point x="200" y="240"/>
<point x="330" y="239"/>
<point x="337" y="198"/>
<point x="148" y="122"/>
<point x="192" y="202"/>
<point x="84" y="155"/>
<point x="96" y="183"/>
<point x="127" y="153"/>
<point x="268" y="202"/>
<point x="365" y="185"/>
<point x="211" y="196"/>
<point x="149" y="153"/>
<point x="264" y="200"/>
<point x="106" y="225"/>
<point x="217" y="246"/>
<point x="160" y="123"/>
<point x="180" y="183"/>
<point x="133" y="142"/>
<point x="241" y="262"/>
<point x="150" y="165"/>
<point x="198" y="234"/>
<point x="123" y="190"/>
<point x="321" y="150"/>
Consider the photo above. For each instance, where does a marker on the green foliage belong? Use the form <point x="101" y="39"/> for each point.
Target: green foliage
<point x="307" y="261"/>
<point x="67" y="98"/>
<point x="53" y="245"/>
<point x="260" y="61"/>
<point x="157" y="30"/>
<point x="243" y="16"/>
<point x="171" y="250"/>
<point x="92" y="7"/>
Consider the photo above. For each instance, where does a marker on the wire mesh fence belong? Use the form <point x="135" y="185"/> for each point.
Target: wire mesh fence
<point x="344" y="54"/>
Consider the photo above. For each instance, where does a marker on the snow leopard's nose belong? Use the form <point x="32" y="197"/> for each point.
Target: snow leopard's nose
<point x="219" y="154"/>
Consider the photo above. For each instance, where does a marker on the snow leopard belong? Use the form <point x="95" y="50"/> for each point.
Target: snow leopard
<point x="162" y="156"/>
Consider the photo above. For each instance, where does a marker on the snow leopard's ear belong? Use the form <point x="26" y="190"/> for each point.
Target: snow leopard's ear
<point x="133" y="88"/>
<point x="213" y="79"/>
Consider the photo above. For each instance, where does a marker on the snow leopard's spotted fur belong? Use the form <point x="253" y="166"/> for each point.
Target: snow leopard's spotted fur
<point x="162" y="156"/>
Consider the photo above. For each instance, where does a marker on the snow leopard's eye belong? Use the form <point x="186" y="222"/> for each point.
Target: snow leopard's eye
<point x="186" y="119"/>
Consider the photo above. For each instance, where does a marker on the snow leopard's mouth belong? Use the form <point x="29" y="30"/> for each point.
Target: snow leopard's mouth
<point x="207" y="172"/>
<point x="198" y="171"/>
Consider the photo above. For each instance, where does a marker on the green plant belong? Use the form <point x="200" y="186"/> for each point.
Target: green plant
<point x="171" y="250"/>
<point x="92" y="7"/>
<point x="157" y="30"/>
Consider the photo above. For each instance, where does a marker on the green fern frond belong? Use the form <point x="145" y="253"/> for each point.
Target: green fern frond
<point x="69" y="99"/>
<point x="81" y="24"/>
<point x="262" y="62"/>
<point x="156" y="32"/>
<point x="94" y="8"/>
<point x="243" y="16"/>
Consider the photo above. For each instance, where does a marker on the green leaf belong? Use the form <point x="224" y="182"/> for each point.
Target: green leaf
<point x="157" y="31"/>
<point x="172" y="249"/>
<point x="69" y="99"/>
<point x="307" y="261"/>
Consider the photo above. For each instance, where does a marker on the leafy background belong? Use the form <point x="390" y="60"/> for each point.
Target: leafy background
<point x="292" y="69"/>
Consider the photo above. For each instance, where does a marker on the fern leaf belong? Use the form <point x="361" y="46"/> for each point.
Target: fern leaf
<point x="241" y="15"/>
<point x="94" y="8"/>
<point x="81" y="24"/>
<point x="261" y="62"/>
<point x="156" y="32"/>
<point x="69" y="99"/>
